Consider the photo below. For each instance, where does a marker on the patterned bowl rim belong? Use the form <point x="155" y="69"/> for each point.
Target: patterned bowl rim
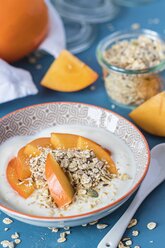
<point x="77" y="216"/>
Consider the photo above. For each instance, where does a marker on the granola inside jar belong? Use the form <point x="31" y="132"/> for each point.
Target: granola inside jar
<point x="131" y="63"/>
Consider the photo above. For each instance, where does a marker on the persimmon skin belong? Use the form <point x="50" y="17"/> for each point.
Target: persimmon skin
<point x="23" y="189"/>
<point x="60" y="188"/>
<point x="24" y="24"/>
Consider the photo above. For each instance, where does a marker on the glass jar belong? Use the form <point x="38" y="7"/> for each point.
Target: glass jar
<point x="130" y="87"/>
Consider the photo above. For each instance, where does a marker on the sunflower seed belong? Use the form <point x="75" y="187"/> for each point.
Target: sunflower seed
<point x="92" y="193"/>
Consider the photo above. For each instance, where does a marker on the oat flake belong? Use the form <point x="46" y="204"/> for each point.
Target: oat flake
<point x="17" y="241"/>
<point x="135" y="233"/>
<point x="151" y="225"/>
<point x="7" y="221"/>
<point x="61" y="240"/>
<point x="132" y="223"/>
<point x="128" y="242"/>
<point x="101" y="226"/>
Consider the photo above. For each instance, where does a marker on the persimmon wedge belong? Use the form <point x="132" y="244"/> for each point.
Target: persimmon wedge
<point x="60" y="188"/>
<point x="23" y="188"/>
<point x="68" y="74"/>
<point x="25" y="153"/>
<point x="22" y="165"/>
<point x="64" y="140"/>
<point x="101" y="153"/>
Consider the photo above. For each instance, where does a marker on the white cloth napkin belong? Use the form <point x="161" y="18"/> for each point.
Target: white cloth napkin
<point x="16" y="83"/>
<point x="55" y="41"/>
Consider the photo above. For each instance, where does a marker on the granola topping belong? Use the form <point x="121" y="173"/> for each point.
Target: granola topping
<point x="86" y="172"/>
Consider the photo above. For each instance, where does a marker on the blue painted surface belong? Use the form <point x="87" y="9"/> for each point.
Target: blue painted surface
<point x="153" y="209"/>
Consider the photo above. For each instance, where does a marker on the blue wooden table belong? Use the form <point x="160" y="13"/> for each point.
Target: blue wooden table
<point x="153" y="209"/>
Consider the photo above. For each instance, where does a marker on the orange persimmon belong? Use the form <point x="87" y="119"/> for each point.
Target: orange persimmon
<point x="24" y="154"/>
<point x="60" y="188"/>
<point x="67" y="73"/>
<point x="22" y="188"/>
<point x="64" y="140"/>
<point x="22" y="165"/>
<point x="101" y="153"/>
<point x="24" y="24"/>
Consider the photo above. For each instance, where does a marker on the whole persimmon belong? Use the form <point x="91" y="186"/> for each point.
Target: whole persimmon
<point x="24" y="24"/>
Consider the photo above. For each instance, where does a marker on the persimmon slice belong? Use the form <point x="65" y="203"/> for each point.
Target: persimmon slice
<point x="60" y="188"/>
<point x="101" y="153"/>
<point x="64" y="140"/>
<point x="23" y="188"/>
<point x="25" y="153"/>
<point x="67" y="73"/>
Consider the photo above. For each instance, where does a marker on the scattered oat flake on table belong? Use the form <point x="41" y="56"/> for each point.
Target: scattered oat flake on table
<point x="68" y="232"/>
<point x="135" y="233"/>
<point x="62" y="235"/>
<point x="84" y="225"/>
<point x="101" y="226"/>
<point x="132" y="223"/>
<point x="7" y="221"/>
<point x="66" y="228"/>
<point x="7" y="244"/>
<point x="128" y="242"/>
<point x="15" y="235"/>
<point x="93" y="222"/>
<point x="135" y="26"/>
<point x="121" y="245"/>
<point x="125" y="239"/>
<point x="151" y="225"/>
<point x="17" y="241"/>
<point x="136" y="246"/>
<point x="6" y="229"/>
<point x="53" y="229"/>
<point x="61" y="240"/>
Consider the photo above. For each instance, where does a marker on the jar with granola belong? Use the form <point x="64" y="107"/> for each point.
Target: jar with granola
<point x="131" y="63"/>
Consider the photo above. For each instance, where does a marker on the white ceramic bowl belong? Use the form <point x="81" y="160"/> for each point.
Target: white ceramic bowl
<point x="29" y="120"/>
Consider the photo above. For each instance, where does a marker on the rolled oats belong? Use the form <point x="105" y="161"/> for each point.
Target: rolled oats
<point x="151" y="225"/>
<point x="61" y="240"/>
<point x="132" y="223"/>
<point x="135" y="233"/>
<point x="101" y="226"/>
<point x="135" y="54"/>
<point x="86" y="173"/>
<point x="15" y="235"/>
<point x="7" y="221"/>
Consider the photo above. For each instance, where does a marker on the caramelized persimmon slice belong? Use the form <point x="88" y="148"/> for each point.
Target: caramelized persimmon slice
<point x="101" y="153"/>
<point x="23" y="188"/>
<point x="67" y="73"/>
<point x="64" y="140"/>
<point x="60" y="188"/>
